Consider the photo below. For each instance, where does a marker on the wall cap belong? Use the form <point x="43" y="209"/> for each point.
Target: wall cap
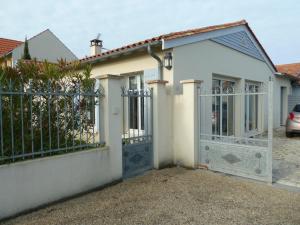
<point x="110" y="76"/>
<point x="157" y="82"/>
<point x="191" y="81"/>
<point x="53" y="157"/>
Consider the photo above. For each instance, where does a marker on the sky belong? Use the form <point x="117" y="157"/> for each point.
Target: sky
<point x="75" y="22"/>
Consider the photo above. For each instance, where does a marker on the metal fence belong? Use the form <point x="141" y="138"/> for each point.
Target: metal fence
<point x="46" y="119"/>
<point x="137" y="116"/>
<point x="235" y="128"/>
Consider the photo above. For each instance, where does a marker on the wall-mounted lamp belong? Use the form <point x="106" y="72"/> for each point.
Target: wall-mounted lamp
<point x="168" y="60"/>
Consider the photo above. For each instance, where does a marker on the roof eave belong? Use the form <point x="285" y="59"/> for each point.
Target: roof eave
<point x="120" y="53"/>
<point x="287" y="76"/>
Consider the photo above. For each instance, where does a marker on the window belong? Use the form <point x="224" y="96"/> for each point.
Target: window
<point x="251" y="107"/>
<point x="136" y="104"/>
<point x="222" y="107"/>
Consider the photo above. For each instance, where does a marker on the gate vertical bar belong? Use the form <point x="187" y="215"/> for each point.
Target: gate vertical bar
<point x="31" y="119"/>
<point x="1" y="125"/>
<point x="270" y="128"/>
<point x="49" y="114"/>
<point x="11" y="121"/>
<point x="99" y="114"/>
<point x="22" y="118"/>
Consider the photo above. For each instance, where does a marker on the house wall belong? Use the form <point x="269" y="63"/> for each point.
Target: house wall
<point x="278" y="83"/>
<point x="44" y="46"/>
<point x="202" y="60"/>
<point x="129" y="64"/>
<point x="296" y="90"/>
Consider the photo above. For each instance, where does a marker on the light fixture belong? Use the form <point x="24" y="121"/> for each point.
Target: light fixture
<point x="168" y="60"/>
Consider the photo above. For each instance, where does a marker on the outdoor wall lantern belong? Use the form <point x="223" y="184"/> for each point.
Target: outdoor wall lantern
<point x="168" y="60"/>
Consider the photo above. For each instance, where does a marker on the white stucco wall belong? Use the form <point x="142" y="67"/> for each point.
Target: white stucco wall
<point x="29" y="184"/>
<point x="44" y="46"/>
<point x="202" y="60"/>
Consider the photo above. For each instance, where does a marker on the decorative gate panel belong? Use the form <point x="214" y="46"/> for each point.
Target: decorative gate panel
<point x="235" y="126"/>
<point x="137" y="132"/>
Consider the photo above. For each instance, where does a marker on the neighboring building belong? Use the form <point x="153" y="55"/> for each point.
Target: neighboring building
<point x="217" y="54"/>
<point x="292" y="72"/>
<point x="43" y="46"/>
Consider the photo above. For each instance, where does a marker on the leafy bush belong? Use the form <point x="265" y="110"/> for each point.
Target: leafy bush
<point x="45" y="109"/>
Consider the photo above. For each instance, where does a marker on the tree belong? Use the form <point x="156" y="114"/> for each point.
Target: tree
<point x="26" y="54"/>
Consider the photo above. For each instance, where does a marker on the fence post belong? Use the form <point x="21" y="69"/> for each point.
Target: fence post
<point x="111" y="121"/>
<point x="162" y="144"/>
<point x="187" y="131"/>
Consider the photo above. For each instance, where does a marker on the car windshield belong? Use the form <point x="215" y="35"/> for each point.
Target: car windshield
<point x="297" y="108"/>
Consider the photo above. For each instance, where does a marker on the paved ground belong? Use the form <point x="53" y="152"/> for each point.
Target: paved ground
<point x="175" y="196"/>
<point x="286" y="159"/>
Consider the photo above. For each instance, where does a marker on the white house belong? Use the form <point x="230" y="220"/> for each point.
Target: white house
<point x="43" y="46"/>
<point x="226" y="60"/>
<point x="227" y="52"/>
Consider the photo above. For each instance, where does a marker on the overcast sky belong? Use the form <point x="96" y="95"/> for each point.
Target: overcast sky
<point x="75" y="22"/>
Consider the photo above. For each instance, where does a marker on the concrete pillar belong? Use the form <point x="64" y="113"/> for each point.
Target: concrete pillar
<point x="186" y="133"/>
<point x="162" y="150"/>
<point x="111" y="121"/>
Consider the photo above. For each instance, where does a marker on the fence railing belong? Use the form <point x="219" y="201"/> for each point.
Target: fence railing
<point x="137" y="116"/>
<point x="46" y="119"/>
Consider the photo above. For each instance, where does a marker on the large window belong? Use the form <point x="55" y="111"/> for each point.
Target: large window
<point x="251" y="107"/>
<point x="222" y="107"/>
<point x="136" y="104"/>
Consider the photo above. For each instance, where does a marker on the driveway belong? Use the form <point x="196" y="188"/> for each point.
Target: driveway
<point x="175" y="196"/>
<point x="286" y="159"/>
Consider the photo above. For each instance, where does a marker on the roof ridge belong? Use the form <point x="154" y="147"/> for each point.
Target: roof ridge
<point x="288" y="64"/>
<point x="9" y="39"/>
<point x="239" y="22"/>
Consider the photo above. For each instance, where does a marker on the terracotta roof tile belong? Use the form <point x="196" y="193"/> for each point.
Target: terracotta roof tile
<point x="7" y="45"/>
<point x="291" y="69"/>
<point x="169" y="36"/>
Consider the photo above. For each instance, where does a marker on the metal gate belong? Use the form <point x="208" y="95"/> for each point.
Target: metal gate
<point x="235" y="127"/>
<point x="137" y="132"/>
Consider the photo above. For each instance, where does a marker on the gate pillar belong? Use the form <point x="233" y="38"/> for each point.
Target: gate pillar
<point x="186" y="136"/>
<point x="111" y="121"/>
<point x="162" y="145"/>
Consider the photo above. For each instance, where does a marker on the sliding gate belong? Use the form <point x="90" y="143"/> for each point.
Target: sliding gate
<point x="235" y="127"/>
<point x="137" y="132"/>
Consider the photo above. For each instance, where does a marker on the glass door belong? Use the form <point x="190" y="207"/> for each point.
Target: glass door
<point x="136" y="104"/>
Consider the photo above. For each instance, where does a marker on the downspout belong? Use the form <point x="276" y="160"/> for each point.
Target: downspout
<point x="160" y="63"/>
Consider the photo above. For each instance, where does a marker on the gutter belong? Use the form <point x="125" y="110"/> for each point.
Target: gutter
<point x="160" y="63"/>
<point x="294" y="80"/>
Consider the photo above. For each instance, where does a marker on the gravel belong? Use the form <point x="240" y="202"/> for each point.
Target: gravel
<point x="175" y="196"/>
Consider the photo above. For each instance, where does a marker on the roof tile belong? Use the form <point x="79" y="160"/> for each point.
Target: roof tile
<point x="292" y="69"/>
<point x="7" y="45"/>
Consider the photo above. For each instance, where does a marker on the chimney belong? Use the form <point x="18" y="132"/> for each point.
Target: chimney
<point x="96" y="46"/>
